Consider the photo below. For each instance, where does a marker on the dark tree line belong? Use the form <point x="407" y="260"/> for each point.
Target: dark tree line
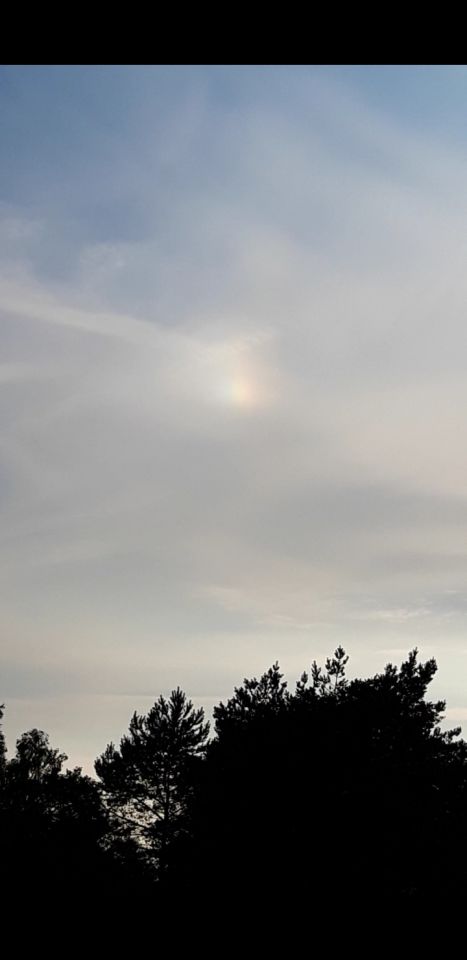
<point x="342" y="791"/>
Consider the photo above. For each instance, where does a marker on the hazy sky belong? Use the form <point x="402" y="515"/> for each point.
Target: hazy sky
<point x="233" y="379"/>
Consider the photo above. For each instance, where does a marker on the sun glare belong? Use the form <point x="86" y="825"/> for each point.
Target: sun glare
<point x="242" y="392"/>
<point x="238" y="391"/>
<point x="233" y="377"/>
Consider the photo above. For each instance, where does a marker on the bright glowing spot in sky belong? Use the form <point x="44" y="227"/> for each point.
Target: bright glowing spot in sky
<point x="232" y="377"/>
<point x="241" y="392"/>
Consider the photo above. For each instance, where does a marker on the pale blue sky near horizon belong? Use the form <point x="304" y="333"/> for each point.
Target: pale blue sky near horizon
<point x="233" y="357"/>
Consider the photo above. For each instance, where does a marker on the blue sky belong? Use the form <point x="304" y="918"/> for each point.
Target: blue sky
<point x="233" y="358"/>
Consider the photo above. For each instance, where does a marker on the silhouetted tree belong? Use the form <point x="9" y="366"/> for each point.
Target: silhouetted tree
<point x="2" y="749"/>
<point x="240" y="802"/>
<point x="328" y="682"/>
<point x="254" y="700"/>
<point x="53" y="825"/>
<point x="35" y="760"/>
<point x="148" y="782"/>
<point x="343" y="790"/>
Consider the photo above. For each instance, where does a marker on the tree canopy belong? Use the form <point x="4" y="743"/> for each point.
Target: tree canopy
<point x="340" y="791"/>
<point x="148" y="782"/>
<point x="2" y="748"/>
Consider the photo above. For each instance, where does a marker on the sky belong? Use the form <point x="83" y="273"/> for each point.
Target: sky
<point x="233" y="358"/>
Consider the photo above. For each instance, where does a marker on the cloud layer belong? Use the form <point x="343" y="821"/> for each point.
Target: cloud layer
<point x="232" y="367"/>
